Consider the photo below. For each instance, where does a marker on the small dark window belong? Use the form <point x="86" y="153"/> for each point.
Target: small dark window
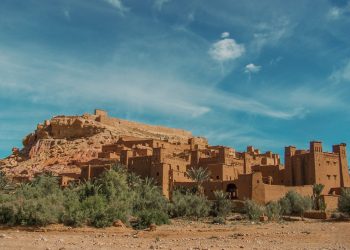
<point x="217" y="177"/>
<point x="157" y="173"/>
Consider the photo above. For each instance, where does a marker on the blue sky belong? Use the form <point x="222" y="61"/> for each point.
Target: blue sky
<point x="262" y="73"/>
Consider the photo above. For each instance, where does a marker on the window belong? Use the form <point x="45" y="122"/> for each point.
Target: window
<point x="335" y="177"/>
<point x="217" y="177"/>
<point x="329" y="177"/>
<point x="157" y="173"/>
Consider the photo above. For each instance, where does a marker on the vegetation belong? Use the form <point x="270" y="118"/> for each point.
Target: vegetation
<point x="294" y="203"/>
<point x="344" y="201"/>
<point x="274" y="210"/>
<point x="114" y="196"/>
<point x="221" y="205"/>
<point x="118" y="195"/>
<point x="253" y="209"/>
<point x="318" y="203"/>
<point x="187" y="204"/>
<point x="291" y="204"/>
<point x="199" y="175"/>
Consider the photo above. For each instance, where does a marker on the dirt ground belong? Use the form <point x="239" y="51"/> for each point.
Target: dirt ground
<point x="183" y="234"/>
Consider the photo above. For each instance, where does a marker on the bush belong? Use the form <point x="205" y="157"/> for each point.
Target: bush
<point x="221" y="205"/>
<point x="96" y="210"/>
<point x="148" y="196"/>
<point x="8" y="212"/>
<point x="344" y="201"/>
<point x="147" y="217"/>
<point x="189" y="205"/>
<point x="149" y="204"/>
<point x="294" y="203"/>
<point x="39" y="212"/>
<point x="274" y="210"/>
<point x="219" y="220"/>
<point x="73" y="214"/>
<point x="36" y="204"/>
<point x="253" y="209"/>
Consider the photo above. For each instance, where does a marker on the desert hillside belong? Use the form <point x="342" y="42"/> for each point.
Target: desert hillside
<point x="60" y="144"/>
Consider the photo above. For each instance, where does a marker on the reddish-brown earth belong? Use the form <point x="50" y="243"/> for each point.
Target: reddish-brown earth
<point x="60" y="144"/>
<point x="186" y="235"/>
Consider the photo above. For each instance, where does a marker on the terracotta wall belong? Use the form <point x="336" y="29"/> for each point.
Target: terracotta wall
<point x="331" y="201"/>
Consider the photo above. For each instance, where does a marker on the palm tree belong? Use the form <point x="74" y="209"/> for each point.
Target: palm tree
<point x="316" y="196"/>
<point x="199" y="175"/>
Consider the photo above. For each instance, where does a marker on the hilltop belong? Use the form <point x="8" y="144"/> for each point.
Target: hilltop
<point x="60" y="144"/>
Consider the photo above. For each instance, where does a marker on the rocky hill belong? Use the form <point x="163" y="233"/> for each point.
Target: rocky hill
<point x="60" y="144"/>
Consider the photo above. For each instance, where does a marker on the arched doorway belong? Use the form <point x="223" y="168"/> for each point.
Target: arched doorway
<point x="232" y="190"/>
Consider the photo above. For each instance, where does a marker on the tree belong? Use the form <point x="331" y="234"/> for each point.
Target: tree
<point x="199" y="175"/>
<point x="318" y="203"/>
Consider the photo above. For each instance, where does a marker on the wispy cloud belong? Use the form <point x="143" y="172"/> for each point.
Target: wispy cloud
<point x="118" y="4"/>
<point x="342" y="74"/>
<point x="169" y="94"/>
<point x="270" y="34"/>
<point x="66" y="14"/>
<point x="158" y="4"/>
<point x="226" y="49"/>
<point x="336" y="13"/>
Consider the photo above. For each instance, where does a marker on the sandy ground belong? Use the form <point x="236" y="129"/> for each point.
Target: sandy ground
<point x="185" y="235"/>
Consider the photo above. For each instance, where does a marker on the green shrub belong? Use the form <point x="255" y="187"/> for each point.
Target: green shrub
<point x="294" y="203"/>
<point x="253" y="209"/>
<point x="221" y="205"/>
<point x="189" y="205"/>
<point x="344" y="201"/>
<point x="149" y="203"/>
<point x="113" y="185"/>
<point x="39" y="212"/>
<point x="219" y="220"/>
<point x="115" y="195"/>
<point x="73" y="214"/>
<point x="36" y="204"/>
<point x="147" y="217"/>
<point x="274" y="210"/>
<point x="95" y="209"/>
<point x="8" y="212"/>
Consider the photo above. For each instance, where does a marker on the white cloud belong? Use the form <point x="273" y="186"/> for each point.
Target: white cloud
<point x="342" y="74"/>
<point x="118" y="4"/>
<point x="336" y="13"/>
<point x="225" y="35"/>
<point x="226" y="49"/>
<point x="158" y="4"/>
<point x="66" y="13"/>
<point x="252" y="68"/>
<point x="270" y="34"/>
<point x="122" y="86"/>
